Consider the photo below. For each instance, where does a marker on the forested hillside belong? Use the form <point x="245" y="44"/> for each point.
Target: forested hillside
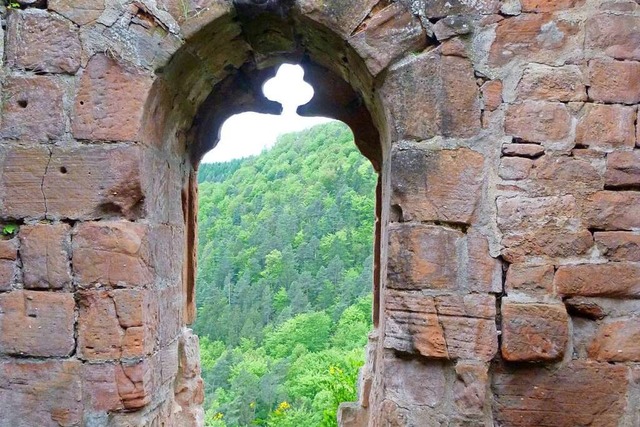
<point x="284" y="280"/>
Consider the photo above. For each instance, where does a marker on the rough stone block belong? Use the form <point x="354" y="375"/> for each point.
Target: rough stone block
<point x="116" y="324"/>
<point x="612" y="210"/>
<point x="619" y="245"/>
<point x="523" y="150"/>
<point x="100" y="387"/>
<point x="21" y="181"/>
<point x="578" y="393"/>
<point x="32" y="109"/>
<point x="545" y="83"/>
<point x="541" y="6"/>
<point x="492" y="94"/>
<point x="483" y="272"/>
<point x="579" y="174"/>
<point x="536" y="37"/>
<point x="449" y="104"/>
<point x="617" y="342"/>
<point x="442" y="8"/>
<point x="415" y="382"/>
<point x="8" y="267"/>
<point x="606" y="126"/>
<point x="614" y="81"/>
<point x="109" y="101"/>
<point x="470" y="387"/>
<point x="81" y="12"/>
<point x="43" y="42"/>
<point x="623" y="170"/>
<point x="135" y="384"/>
<point x="423" y="191"/>
<point x="538" y="121"/>
<point x="112" y="253"/>
<point x="534" y="332"/>
<point x="194" y="15"/>
<point x="445" y="327"/>
<point x="611" y="280"/>
<point x="423" y="257"/>
<point x="45" y="256"/>
<point x="37" y="323"/>
<point x="515" y="168"/>
<point x="387" y="35"/>
<point x="341" y="17"/>
<point x="530" y="279"/>
<point x="618" y="36"/>
<point x="541" y="227"/>
<point x="44" y="394"/>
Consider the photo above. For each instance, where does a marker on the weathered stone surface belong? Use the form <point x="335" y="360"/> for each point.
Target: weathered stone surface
<point x="612" y="280"/>
<point x="619" y="245"/>
<point x="578" y="174"/>
<point x="43" y="42"/>
<point x="94" y="182"/>
<point x="451" y="26"/>
<point x="423" y="257"/>
<point x="523" y="150"/>
<point x="611" y="210"/>
<point x="37" y="323"/>
<point x="445" y="327"/>
<point x="470" y="387"/>
<point x="534" y="332"/>
<point x="415" y="382"/>
<point x="450" y="104"/>
<point x="537" y="121"/>
<point x="549" y="5"/>
<point x="484" y="273"/>
<point x="21" y="181"/>
<point x="617" y="342"/>
<point x="99" y="383"/>
<point x="44" y="250"/>
<point x="387" y="35"/>
<point x="111" y="253"/>
<point x="533" y="36"/>
<point x="32" y="108"/>
<point x="541" y="226"/>
<point x="579" y="393"/>
<point x="614" y="81"/>
<point x="135" y="384"/>
<point x="492" y="94"/>
<point x="47" y="394"/>
<point x="584" y="307"/>
<point x="442" y="8"/>
<point x="530" y="279"/>
<point x="623" y="170"/>
<point x="515" y="168"/>
<point x="8" y="267"/>
<point x="82" y="12"/>
<point x="109" y="101"/>
<point x="606" y="126"/>
<point x="545" y="83"/>
<point x="423" y="191"/>
<point x="618" y="36"/>
<point x="341" y="17"/>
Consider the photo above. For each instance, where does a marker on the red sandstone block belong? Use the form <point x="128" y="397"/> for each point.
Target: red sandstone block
<point x="460" y="101"/>
<point x="623" y="169"/>
<point x="35" y="393"/>
<point x="109" y="101"/>
<point x="619" y="245"/>
<point x="531" y="280"/>
<point x="423" y="192"/>
<point x="423" y="257"/>
<point x="617" y="342"/>
<point x="579" y="174"/>
<point x="536" y="121"/>
<point x="32" y="109"/>
<point x="606" y="126"/>
<point x="135" y="384"/>
<point x="21" y="181"/>
<point x="442" y="8"/>
<point x="112" y="253"/>
<point x="116" y="324"/>
<point x="538" y="6"/>
<point x="492" y="94"/>
<point x="577" y="393"/>
<point x="45" y="256"/>
<point x="534" y="332"/>
<point x="515" y="168"/>
<point x="544" y="83"/>
<point x="37" y="323"/>
<point x="81" y="12"/>
<point x="617" y="35"/>
<point x="100" y="387"/>
<point x="541" y="227"/>
<point x="611" y="280"/>
<point x="8" y="267"/>
<point x="483" y="272"/>
<point x="523" y="150"/>
<point x="387" y="35"/>
<point x="612" y="210"/>
<point x="614" y="81"/>
<point x="470" y="387"/>
<point x="40" y="41"/>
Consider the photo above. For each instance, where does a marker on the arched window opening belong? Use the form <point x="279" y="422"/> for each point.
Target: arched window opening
<point x="286" y="214"/>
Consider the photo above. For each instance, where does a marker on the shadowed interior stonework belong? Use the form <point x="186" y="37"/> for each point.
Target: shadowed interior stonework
<point x="506" y="137"/>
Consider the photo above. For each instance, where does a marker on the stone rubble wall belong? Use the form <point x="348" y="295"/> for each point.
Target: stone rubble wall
<point x="508" y="144"/>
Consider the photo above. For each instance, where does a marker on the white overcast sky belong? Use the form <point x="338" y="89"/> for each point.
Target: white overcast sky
<point x="249" y="133"/>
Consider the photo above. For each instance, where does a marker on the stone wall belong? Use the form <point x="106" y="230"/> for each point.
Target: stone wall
<point x="508" y="247"/>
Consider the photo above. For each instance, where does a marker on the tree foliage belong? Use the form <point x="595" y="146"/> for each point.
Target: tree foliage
<point x="284" y="280"/>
